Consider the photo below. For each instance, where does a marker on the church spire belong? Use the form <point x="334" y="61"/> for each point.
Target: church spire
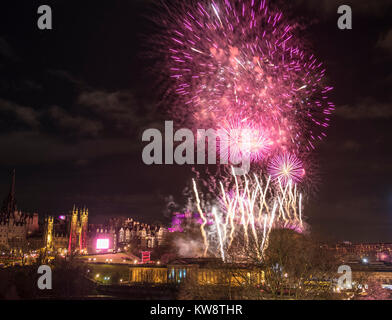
<point x="9" y="204"/>
<point x="12" y="190"/>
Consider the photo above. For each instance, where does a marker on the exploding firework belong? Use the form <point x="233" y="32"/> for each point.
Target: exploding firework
<point x="246" y="212"/>
<point x="242" y="139"/>
<point x="286" y="168"/>
<point x="241" y="60"/>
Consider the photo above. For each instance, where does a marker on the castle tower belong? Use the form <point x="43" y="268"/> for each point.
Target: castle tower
<point x="83" y="231"/>
<point x="49" y="233"/>
<point x="73" y="231"/>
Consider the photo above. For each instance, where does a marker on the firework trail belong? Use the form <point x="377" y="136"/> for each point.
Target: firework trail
<point x="246" y="212"/>
<point x="203" y="233"/>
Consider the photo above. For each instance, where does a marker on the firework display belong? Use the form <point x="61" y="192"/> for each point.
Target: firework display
<point x="240" y="62"/>
<point x="247" y="213"/>
<point x="241" y="68"/>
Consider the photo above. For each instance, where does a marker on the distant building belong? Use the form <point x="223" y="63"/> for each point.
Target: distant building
<point x="101" y="239"/>
<point x="199" y="271"/>
<point x="360" y="252"/>
<point x="139" y="234"/>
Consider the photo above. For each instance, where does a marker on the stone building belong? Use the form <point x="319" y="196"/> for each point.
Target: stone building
<point x="139" y="234"/>
<point x="101" y="239"/>
<point x="15" y="226"/>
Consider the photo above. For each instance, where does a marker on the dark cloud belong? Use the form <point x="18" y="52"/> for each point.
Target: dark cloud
<point x="350" y="145"/>
<point x="93" y="124"/>
<point x="75" y="126"/>
<point x="360" y="228"/>
<point x="117" y="107"/>
<point x="33" y="148"/>
<point x="24" y="115"/>
<point x="146" y="207"/>
<point x="67" y="77"/>
<point x="385" y="41"/>
<point x="6" y="50"/>
<point x="367" y="109"/>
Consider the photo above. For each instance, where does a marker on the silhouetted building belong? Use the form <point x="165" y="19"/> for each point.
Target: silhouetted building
<point x="15" y="225"/>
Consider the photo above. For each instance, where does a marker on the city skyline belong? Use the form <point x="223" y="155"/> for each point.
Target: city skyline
<point x="201" y="150"/>
<point x="73" y="111"/>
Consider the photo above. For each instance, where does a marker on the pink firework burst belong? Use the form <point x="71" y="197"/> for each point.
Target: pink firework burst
<point x="232" y="59"/>
<point x="286" y="168"/>
<point x="243" y="139"/>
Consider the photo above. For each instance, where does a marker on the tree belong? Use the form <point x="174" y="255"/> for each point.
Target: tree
<point x="293" y="265"/>
<point x="297" y="266"/>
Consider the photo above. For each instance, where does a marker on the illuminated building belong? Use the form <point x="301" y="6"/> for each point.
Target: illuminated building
<point x="78" y="231"/>
<point x="356" y="251"/>
<point x="198" y="271"/>
<point x="49" y="233"/>
<point x="101" y="239"/>
<point x="146" y="256"/>
<point x="83" y="231"/>
<point x="73" y="231"/>
<point x="60" y="243"/>
<point x="139" y="234"/>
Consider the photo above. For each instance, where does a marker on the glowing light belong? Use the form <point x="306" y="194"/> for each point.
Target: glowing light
<point x="242" y="139"/>
<point x="102" y="244"/>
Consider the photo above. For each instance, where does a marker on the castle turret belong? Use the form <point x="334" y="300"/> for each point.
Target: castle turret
<point x="83" y="231"/>
<point x="73" y="231"/>
<point x="49" y="233"/>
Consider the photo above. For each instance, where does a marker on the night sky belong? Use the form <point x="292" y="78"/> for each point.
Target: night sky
<point x="74" y="101"/>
